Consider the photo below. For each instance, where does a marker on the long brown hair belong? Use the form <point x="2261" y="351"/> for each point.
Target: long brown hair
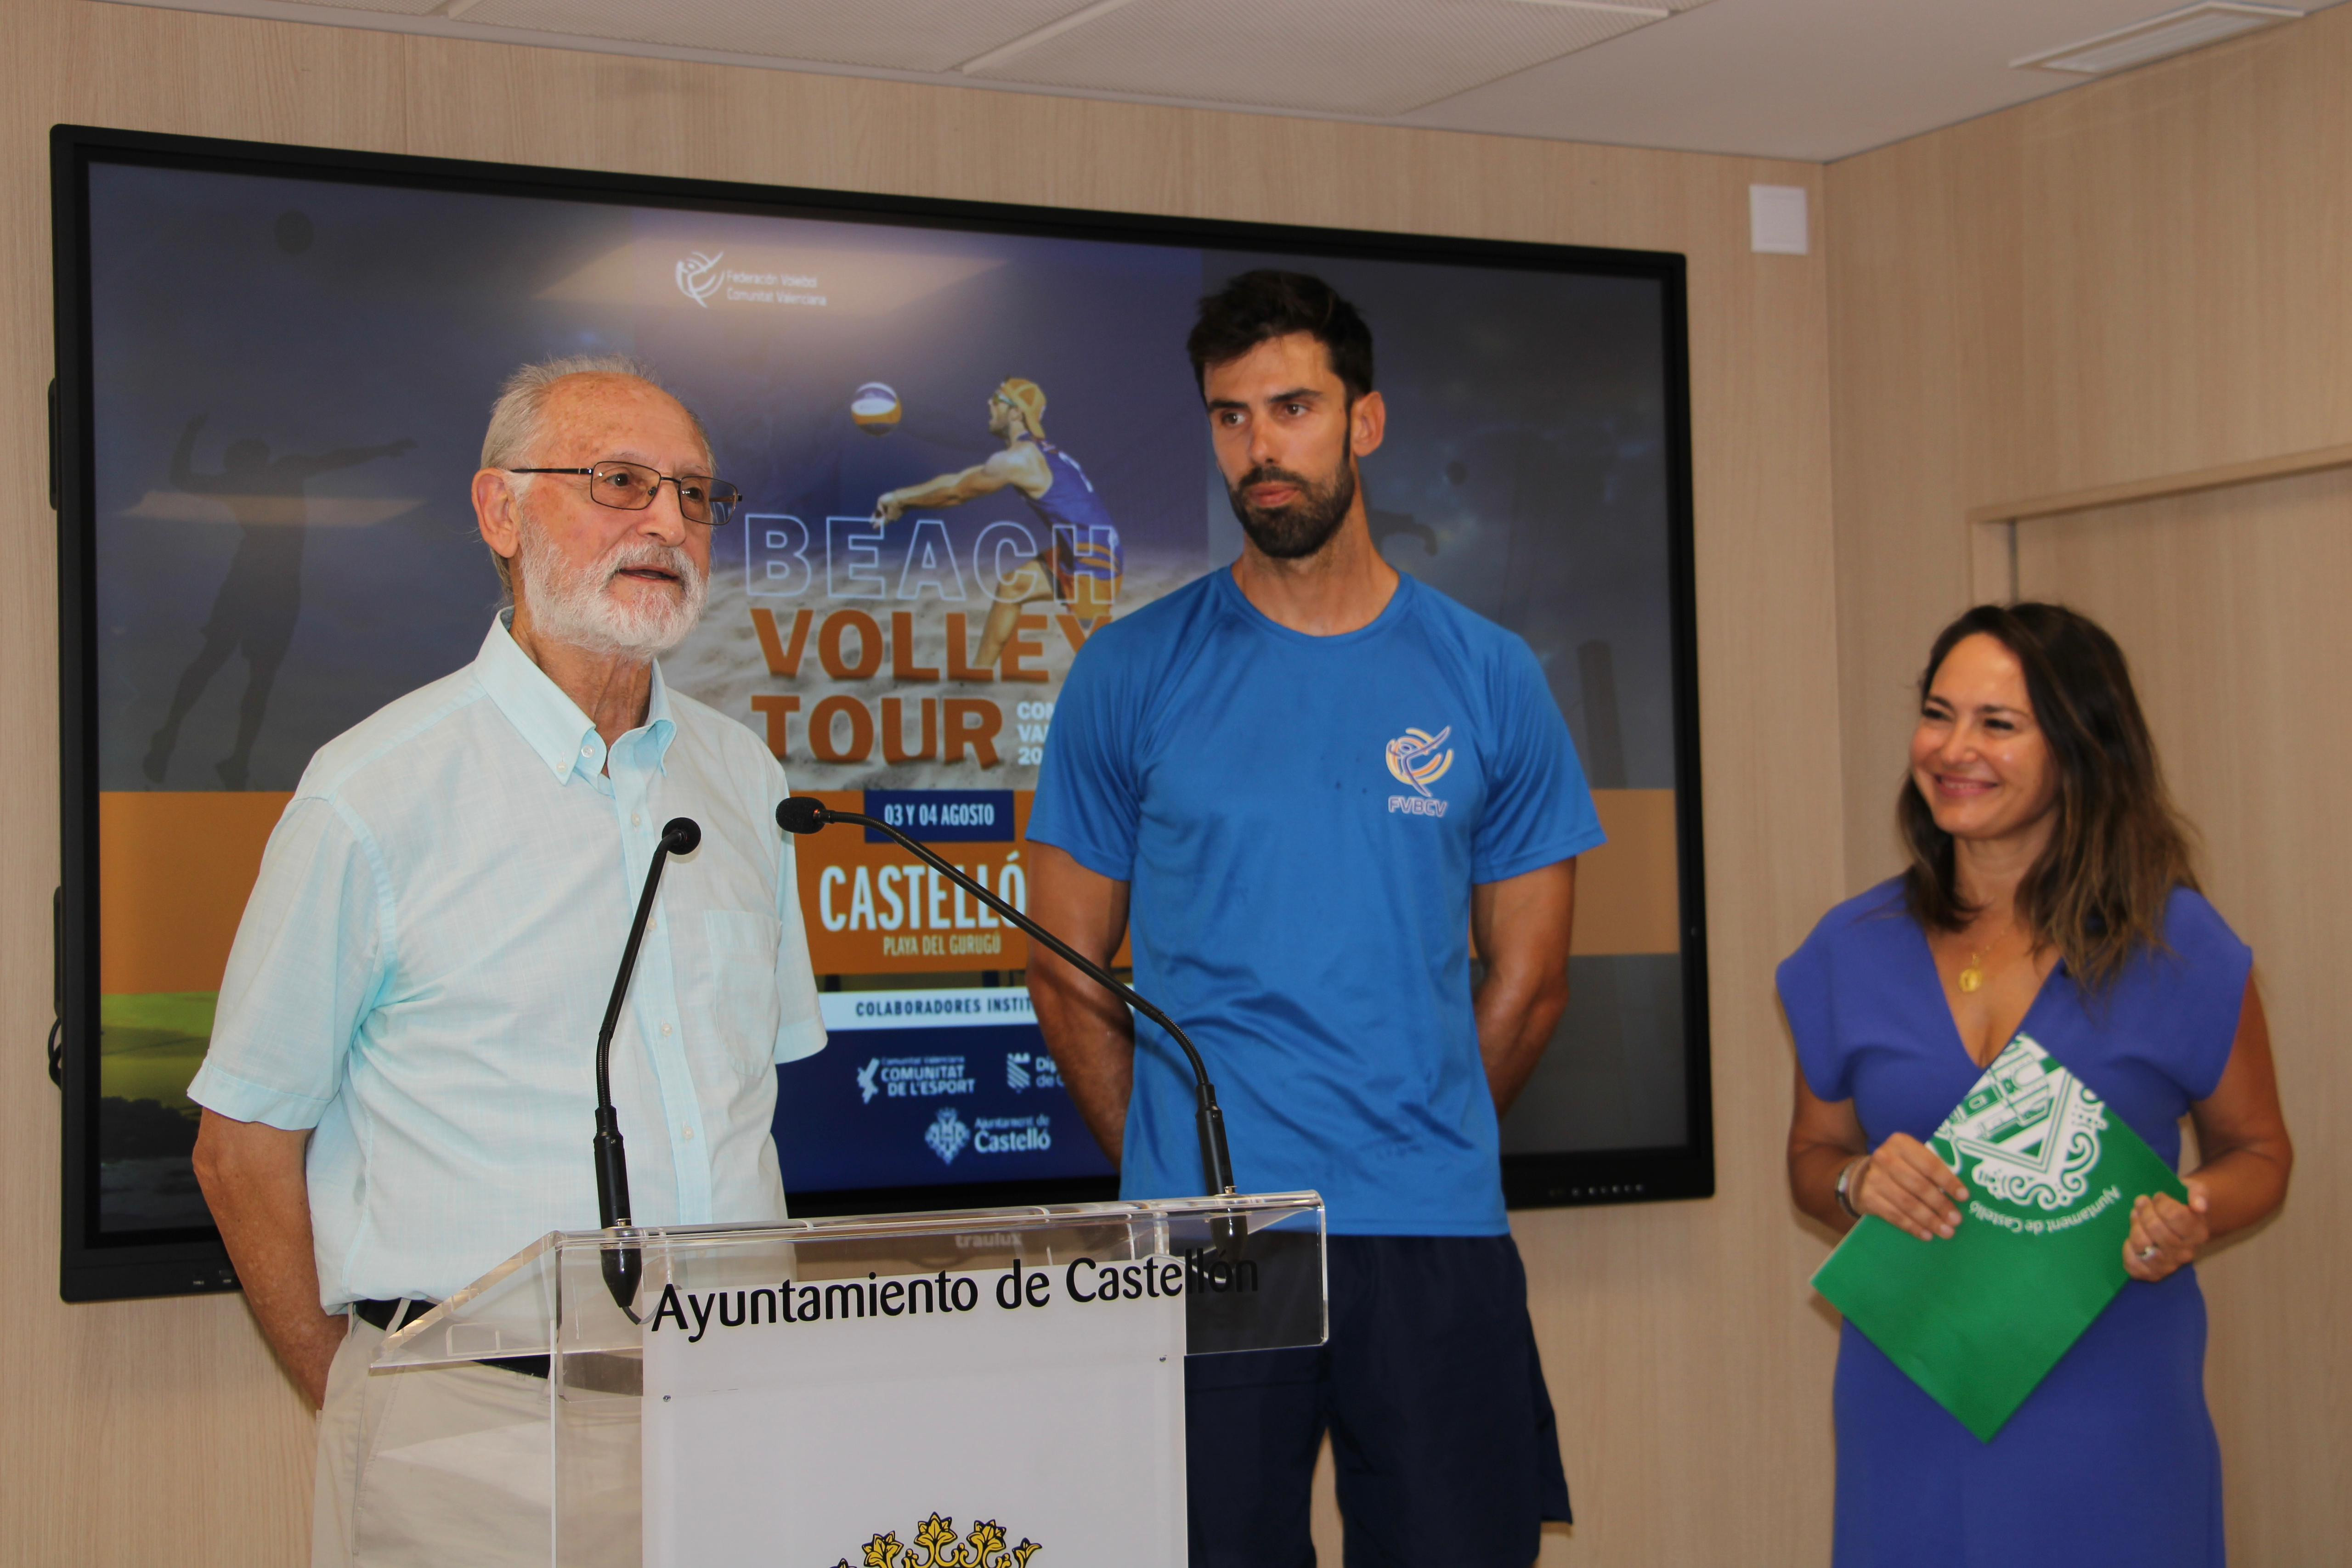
<point x="2098" y="892"/>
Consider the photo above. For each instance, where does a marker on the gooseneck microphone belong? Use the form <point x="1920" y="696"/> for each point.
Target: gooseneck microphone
<point x="625" y="1266"/>
<point x="807" y="814"/>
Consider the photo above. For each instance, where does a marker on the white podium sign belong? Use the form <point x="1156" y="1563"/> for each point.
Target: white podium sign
<point x="988" y="1388"/>
<point x="979" y="1418"/>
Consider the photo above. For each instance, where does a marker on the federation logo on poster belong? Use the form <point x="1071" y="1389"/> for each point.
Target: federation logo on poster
<point x="699" y="276"/>
<point x="2032" y="1128"/>
<point x="947" y="1134"/>
<point x="936" y="1540"/>
<point x="866" y="1086"/>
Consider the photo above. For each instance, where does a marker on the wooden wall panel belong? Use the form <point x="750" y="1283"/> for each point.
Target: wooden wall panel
<point x="2138" y="279"/>
<point x="2230" y="603"/>
<point x="1691" y="1371"/>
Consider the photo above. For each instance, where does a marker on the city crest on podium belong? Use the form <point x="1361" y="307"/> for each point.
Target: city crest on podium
<point x="936" y="1541"/>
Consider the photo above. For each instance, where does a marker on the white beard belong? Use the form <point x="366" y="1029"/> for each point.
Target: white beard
<point x="572" y="605"/>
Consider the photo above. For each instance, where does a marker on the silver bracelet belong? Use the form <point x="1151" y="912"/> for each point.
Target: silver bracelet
<point x="1844" y="1192"/>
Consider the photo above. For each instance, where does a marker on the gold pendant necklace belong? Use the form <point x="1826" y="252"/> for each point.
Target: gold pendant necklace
<point x="1972" y="973"/>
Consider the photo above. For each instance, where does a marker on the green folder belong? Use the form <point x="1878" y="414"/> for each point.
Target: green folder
<point x="1979" y="1320"/>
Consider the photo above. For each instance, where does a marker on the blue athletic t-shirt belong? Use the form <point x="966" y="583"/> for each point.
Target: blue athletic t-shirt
<point x="1300" y="821"/>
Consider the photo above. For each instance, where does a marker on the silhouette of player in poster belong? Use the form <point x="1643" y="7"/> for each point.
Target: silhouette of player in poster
<point x="261" y="597"/>
<point x="1084" y="562"/>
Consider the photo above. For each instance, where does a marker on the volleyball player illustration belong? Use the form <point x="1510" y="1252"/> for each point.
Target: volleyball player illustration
<point x="261" y="597"/>
<point x="1083" y="564"/>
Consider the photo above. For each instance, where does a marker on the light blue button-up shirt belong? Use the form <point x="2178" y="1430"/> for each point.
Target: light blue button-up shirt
<point x="426" y="959"/>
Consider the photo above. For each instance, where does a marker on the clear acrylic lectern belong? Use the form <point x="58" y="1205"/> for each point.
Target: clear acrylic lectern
<point x="812" y="1358"/>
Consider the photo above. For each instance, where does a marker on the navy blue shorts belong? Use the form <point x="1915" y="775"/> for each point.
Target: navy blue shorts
<point x="1442" y="1429"/>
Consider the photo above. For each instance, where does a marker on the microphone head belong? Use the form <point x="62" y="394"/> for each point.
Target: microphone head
<point x="802" y="814"/>
<point x="680" y="835"/>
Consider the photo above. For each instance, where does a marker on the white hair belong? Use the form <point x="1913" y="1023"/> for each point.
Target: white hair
<point x="519" y="420"/>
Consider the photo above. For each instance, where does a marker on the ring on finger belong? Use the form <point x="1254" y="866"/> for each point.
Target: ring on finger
<point x="2148" y="1253"/>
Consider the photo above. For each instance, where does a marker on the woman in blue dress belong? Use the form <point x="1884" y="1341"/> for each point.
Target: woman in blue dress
<point x="2050" y="893"/>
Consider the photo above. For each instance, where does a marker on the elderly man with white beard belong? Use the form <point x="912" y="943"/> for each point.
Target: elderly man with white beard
<point x="399" y="1091"/>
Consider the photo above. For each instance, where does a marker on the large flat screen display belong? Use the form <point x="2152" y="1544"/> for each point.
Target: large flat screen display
<point x="274" y="370"/>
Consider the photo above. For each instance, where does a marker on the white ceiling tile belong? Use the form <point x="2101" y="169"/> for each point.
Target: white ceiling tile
<point x="1333" y="56"/>
<point x="1812" y="79"/>
<point x="887" y="35"/>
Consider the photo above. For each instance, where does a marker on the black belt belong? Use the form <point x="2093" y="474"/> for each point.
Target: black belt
<point x="383" y="1314"/>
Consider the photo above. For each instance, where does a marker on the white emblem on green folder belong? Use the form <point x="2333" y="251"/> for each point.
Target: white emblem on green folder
<point x="1978" y="1320"/>
<point x="2028" y="1133"/>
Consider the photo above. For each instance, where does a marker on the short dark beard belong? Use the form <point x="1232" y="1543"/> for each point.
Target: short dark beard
<point x="1307" y="525"/>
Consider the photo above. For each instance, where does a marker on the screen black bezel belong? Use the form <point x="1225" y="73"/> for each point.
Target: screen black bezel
<point x="155" y="1263"/>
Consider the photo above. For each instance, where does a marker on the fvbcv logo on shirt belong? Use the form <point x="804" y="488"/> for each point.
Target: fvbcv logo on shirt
<point x="1419" y="758"/>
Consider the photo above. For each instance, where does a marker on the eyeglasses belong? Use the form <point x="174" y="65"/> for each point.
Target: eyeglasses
<point x="631" y="486"/>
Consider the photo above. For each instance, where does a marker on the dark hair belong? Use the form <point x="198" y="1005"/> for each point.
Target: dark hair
<point x="1258" y="306"/>
<point x="2099" y="890"/>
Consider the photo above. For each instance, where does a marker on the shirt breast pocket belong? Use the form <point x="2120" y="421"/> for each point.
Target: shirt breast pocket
<point x="739" y="968"/>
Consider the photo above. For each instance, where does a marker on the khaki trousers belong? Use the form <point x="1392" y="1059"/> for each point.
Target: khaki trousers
<point x="430" y="1467"/>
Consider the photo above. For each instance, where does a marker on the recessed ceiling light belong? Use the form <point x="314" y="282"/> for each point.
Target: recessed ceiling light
<point x="2175" y="32"/>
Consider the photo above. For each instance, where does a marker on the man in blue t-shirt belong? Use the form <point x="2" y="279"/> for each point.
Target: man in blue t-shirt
<point x="1309" y="782"/>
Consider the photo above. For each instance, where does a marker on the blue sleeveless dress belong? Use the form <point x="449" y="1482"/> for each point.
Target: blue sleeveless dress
<point x="2112" y="1460"/>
